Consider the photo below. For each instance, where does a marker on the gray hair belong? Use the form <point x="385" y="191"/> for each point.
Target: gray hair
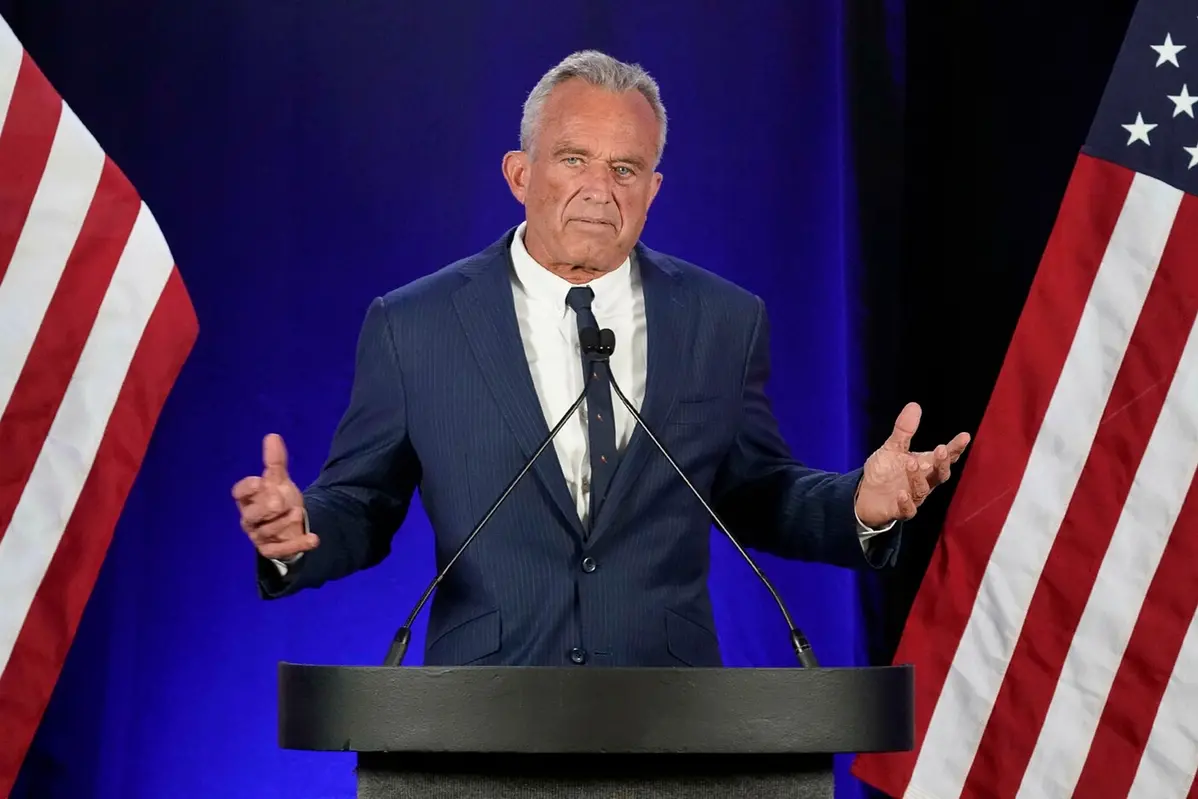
<point x="597" y="69"/>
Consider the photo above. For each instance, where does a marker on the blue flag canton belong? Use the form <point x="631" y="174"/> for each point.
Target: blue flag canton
<point x="1148" y="118"/>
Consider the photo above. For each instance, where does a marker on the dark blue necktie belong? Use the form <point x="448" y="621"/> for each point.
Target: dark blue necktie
<point x="601" y="426"/>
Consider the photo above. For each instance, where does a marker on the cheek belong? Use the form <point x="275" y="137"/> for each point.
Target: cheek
<point x="633" y="200"/>
<point x="548" y="192"/>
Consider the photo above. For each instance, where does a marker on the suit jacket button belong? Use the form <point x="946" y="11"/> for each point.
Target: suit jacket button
<point x="578" y="656"/>
<point x="588" y="565"/>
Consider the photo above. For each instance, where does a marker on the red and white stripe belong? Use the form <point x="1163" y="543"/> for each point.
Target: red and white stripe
<point x="1053" y="633"/>
<point x="95" y="324"/>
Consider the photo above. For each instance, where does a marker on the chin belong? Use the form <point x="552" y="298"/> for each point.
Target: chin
<point x="591" y="238"/>
<point x="592" y="254"/>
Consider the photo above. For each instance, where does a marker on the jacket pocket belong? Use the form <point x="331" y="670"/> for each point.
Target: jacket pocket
<point x="467" y="642"/>
<point x="689" y="642"/>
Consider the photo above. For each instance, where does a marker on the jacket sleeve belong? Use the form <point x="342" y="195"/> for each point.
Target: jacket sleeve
<point x="775" y="504"/>
<point x="365" y="487"/>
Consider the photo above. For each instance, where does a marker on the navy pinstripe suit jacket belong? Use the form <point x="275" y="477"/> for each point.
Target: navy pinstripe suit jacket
<point x="443" y="403"/>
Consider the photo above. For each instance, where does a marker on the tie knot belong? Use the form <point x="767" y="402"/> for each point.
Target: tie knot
<point x="579" y="298"/>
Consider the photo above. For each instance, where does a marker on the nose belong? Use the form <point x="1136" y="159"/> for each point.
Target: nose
<point x="597" y="182"/>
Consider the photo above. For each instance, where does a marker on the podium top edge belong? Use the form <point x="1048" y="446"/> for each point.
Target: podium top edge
<point x="892" y="669"/>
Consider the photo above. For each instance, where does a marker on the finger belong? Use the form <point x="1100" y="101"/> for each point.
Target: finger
<point x="252" y="525"/>
<point x="957" y="446"/>
<point x="304" y="543"/>
<point x="274" y="458"/>
<point x="266" y="505"/>
<point x="245" y="489"/>
<point x="289" y="526"/>
<point x="279" y="528"/>
<point x="939" y="466"/>
<point x="255" y="516"/>
<point x="917" y="478"/>
<point x="905" y="427"/>
<point x="906" y="507"/>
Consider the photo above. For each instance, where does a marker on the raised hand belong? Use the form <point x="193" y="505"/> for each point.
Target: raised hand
<point x="896" y="480"/>
<point x="272" y="507"/>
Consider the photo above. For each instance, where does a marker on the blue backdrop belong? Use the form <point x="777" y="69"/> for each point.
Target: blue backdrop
<point x="303" y="157"/>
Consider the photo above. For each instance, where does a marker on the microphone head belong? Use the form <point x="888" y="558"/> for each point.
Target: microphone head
<point x="589" y="340"/>
<point x="607" y="342"/>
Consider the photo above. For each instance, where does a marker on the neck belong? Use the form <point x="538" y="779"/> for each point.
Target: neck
<point x="577" y="273"/>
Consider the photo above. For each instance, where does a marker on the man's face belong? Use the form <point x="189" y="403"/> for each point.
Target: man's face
<point x="588" y="181"/>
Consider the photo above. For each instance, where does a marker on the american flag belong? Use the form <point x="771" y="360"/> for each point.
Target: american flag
<point x="1053" y="636"/>
<point x="95" y="324"/>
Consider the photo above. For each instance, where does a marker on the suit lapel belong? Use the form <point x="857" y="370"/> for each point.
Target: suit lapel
<point x="488" y="315"/>
<point x="670" y="325"/>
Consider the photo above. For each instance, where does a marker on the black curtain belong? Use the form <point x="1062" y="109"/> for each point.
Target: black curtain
<point x="961" y="178"/>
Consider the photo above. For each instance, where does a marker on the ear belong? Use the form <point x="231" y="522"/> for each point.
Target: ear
<point x="657" y="179"/>
<point x="515" y="172"/>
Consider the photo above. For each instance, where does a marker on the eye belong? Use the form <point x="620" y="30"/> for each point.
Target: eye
<point x="624" y="172"/>
<point x="572" y="160"/>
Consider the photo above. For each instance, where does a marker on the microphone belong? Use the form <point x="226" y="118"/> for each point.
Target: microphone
<point x="802" y="647"/>
<point x="591" y="343"/>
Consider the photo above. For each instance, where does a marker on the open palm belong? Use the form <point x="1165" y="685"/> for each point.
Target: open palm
<point x="896" y="481"/>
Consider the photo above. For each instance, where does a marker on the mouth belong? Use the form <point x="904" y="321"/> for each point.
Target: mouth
<point x="594" y="223"/>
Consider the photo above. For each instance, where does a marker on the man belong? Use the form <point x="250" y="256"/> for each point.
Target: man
<point x="600" y="555"/>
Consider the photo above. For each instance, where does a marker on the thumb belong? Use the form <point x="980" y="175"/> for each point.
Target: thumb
<point x="905" y="427"/>
<point x="274" y="458"/>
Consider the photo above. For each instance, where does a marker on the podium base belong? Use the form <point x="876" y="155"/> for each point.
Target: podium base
<point x="443" y="775"/>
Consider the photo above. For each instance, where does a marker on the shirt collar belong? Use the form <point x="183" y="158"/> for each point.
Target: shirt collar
<point x="613" y="290"/>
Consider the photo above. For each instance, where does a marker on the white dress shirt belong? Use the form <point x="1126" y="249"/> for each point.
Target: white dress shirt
<point x="549" y="331"/>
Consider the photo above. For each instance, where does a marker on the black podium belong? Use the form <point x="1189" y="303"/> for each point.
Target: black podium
<point x="476" y="731"/>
